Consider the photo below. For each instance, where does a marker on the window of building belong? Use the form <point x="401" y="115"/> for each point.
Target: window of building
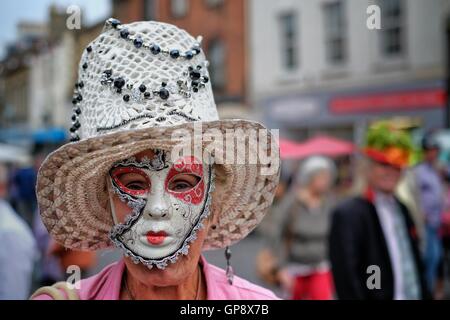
<point x="149" y="9"/>
<point x="214" y="3"/>
<point x="335" y="32"/>
<point x="288" y="36"/>
<point x="118" y="8"/>
<point x="392" y="27"/>
<point x="179" y="8"/>
<point x="217" y="67"/>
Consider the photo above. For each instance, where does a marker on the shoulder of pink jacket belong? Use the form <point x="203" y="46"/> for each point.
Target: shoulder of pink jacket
<point x="104" y="285"/>
<point x="220" y="289"/>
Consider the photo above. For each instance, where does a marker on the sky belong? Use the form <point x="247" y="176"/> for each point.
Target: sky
<point x="15" y="11"/>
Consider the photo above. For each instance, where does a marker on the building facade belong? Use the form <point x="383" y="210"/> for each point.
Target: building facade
<point x="15" y="79"/>
<point x="37" y="79"/>
<point x="133" y="10"/>
<point x="317" y="66"/>
<point x="223" y="27"/>
<point x="221" y="23"/>
<point x="50" y="84"/>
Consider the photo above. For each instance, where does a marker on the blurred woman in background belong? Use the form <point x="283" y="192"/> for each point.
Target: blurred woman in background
<point x="299" y="234"/>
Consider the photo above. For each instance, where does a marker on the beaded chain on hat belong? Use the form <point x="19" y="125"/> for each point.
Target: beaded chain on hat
<point x="192" y="79"/>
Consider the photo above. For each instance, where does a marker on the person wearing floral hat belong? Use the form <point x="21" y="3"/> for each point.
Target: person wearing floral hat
<point x="128" y="180"/>
<point x="373" y="240"/>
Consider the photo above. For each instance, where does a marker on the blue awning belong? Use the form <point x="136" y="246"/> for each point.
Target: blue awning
<point x="50" y="135"/>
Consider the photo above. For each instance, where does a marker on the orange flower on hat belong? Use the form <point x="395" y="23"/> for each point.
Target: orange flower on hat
<point x="397" y="156"/>
<point x="388" y="145"/>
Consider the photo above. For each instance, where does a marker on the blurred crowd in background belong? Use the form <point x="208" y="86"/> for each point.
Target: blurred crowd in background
<point x="325" y="234"/>
<point x="313" y="69"/>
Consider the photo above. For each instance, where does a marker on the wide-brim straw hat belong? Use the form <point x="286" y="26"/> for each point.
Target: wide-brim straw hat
<point x="115" y="117"/>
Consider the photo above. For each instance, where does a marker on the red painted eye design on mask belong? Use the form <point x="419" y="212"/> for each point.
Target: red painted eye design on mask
<point x="185" y="180"/>
<point x="131" y="180"/>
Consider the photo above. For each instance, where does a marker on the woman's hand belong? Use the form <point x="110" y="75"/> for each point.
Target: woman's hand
<point x="267" y="266"/>
<point x="286" y="279"/>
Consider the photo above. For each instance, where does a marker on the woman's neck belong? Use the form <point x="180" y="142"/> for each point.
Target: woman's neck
<point x="310" y="198"/>
<point x="194" y="288"/>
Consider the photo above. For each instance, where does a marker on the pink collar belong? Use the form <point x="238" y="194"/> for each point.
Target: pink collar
<point x="106" y="285"/>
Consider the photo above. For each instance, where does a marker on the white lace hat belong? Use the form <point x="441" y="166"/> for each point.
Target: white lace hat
<point x="137" y="85"/>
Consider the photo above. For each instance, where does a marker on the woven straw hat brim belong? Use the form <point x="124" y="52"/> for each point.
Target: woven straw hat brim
<point x="73" y="199"/>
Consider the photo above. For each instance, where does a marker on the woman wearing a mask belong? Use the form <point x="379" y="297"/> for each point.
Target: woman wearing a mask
<point x="143" y="88"/>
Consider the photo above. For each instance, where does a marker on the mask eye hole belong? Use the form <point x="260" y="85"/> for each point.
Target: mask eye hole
<point x="183" y="182"/>
<point x="131" y="180"/>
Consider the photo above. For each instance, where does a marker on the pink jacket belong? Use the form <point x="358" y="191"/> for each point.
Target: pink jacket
<point x="106" y="285"/>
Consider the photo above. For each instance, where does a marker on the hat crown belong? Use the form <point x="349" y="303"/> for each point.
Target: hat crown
<point x="140" y="75"/>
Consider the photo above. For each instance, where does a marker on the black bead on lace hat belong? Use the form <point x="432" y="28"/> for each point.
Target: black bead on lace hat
<point x="140" y="73"/>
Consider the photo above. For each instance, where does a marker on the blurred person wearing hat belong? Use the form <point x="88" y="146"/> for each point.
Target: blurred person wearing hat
<point x="373" y="240"/>
<point x="143" y="90"/>
<point x="299" y="233"/>
<point x="23" y="182"/>
<point x="17" y="248"/>
<point x="431" y="197"/>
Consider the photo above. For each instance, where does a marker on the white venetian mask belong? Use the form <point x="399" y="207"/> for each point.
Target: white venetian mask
<point x="168" y="202"/>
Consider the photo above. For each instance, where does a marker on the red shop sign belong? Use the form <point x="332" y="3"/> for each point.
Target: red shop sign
<point x="405" y="100"/>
